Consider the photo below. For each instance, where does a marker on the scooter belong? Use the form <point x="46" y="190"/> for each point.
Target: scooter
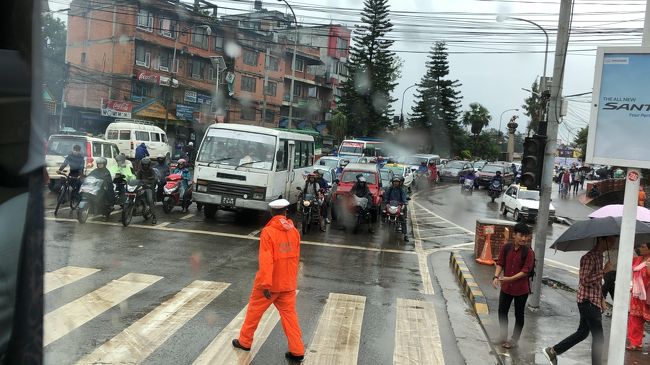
<point x="496" y="188"/>
<point x="361" y="212"/>
<point x="135" y="203"/>
<point x="467" y="187"/>
<point x="172" y="194"/>
<point x="93" y="199"/>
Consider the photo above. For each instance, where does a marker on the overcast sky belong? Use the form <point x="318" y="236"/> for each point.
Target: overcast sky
<point x="494" y="80"/>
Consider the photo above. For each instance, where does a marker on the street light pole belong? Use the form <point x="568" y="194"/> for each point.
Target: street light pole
<point x="293" y="65"/>
<point x="402" y="110"/>
<point x="501" y="118"/>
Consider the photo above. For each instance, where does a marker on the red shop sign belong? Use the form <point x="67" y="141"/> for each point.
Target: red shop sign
<point x="147" y="77"/>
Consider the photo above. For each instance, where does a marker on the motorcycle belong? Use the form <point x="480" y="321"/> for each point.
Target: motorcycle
<point x="135" y="203"/>
<point x="496" y="188"/>
<point x="467" y="187"/>
<point x="361" y="212"/>
<point x="310" y="206"/>
<point x="93" y="199"/>
<point x="394" y="216"/>
<point x="172" y="194"/>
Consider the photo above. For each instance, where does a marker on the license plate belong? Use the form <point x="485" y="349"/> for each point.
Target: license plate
<point x="228" y="200"/>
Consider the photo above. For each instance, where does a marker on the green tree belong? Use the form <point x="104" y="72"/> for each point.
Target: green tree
<point x="533" y="108"/>
<point x="581" y="140"/>
<point x="339" y="126"/>
<point x="374" y="70"/>
<point x="477" y="118"/>
<point x="437" y="105"/>
<point x="54" y="44"/>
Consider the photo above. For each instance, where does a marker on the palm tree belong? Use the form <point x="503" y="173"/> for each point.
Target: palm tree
<point x="477" y="117"/>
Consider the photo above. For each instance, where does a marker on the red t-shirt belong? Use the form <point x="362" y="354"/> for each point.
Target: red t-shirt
<point x="512" y="265"/>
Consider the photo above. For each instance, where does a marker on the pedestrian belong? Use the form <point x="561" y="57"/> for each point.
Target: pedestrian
<point x="566" y="183"/>
<point x="610" y="258"/>
<point x="640" y="299"/>
<point x="276" y="281"/>
<point x="140" y="153"/>
<point x="642" y="197"/>
<point x="583" y="176"/>
<point x="516" y="261"/>
<point x="560" y="175"/>
<point x="590" y="305"/>
<point x="575" y="181"/>
<point x="189" y="152"/>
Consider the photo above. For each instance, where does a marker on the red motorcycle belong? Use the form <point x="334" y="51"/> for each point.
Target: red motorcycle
<point x="172" y="194"/>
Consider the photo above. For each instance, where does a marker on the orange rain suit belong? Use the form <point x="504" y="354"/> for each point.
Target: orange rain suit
<point x="278" y="271"/>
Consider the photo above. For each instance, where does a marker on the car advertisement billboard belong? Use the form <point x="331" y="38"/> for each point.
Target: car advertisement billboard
<point x="619" y="126"/>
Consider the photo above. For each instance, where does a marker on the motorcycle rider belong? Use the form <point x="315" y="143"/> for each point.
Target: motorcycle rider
<point x="423" y="169"/>
<point x="148" y="179"/>
<point x="497" y="177"/>
<point x="472" y="176"/>
<point x="120" y="168"/>
<point x="140" y="153"/>
<point x="102" y="173"/>
<point x="361" y="190"/>
<point x="324" y="185"/>
<point x="186" y="177"/>
<point x="396" y="193"/>
<point x="433" y="170"/>
<point x="76" y="162"/>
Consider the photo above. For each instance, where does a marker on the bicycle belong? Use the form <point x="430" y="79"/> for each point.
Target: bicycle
<point x="68" y="192"/>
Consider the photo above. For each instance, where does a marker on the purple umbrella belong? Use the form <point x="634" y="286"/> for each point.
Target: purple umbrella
<point x="616" y="210"/>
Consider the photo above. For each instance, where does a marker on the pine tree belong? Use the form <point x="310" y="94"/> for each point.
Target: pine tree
<point x="436" y="111"/>
<point x="373" y="71"/>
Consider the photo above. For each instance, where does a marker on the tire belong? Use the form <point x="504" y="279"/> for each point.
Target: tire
<point x="199" y="206"/>
<point x="167" y="205"/>
<point x="209" y="211"/>
<point x="493" y="197"/>
<point x="75" y="199"/>
<point x="516" y="216"/>
<point x="82" y="214"/>
<point x="127" y="214"/>
<point x="53" y="185"/>
<point x="60" y="199"/>
<point x="305" y="226"/>
<point x="504" y="210"/>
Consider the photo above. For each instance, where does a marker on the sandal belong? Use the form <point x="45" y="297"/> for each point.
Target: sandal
<point x="634" y="348"/>
<point x="509" y="345"/>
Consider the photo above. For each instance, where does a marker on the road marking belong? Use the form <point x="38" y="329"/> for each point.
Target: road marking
<point x="427" y="285"/>
<point x="63" y="320"/>
<point x="338" y="334"/>
<point x="163" y="224"/>
<point x="221" y="351"/>
<point x="560" y="265"/>
<point x="417" y="337"/>
<point x="143" y="337"/>
<point x="187" y="216"/>
<point x="255" y="232"/>
<point x="446" y="220"/>
<point x="436" y="228"/>
<point x="64" y="276"/>
<point x="232" y="235"/>
<point x="446" y="235"/>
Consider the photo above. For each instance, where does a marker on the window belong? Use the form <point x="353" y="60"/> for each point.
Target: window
<point x="155" y="137"/>
<point x="250" y="57"/>
<point x="312" y="92"/>
<point x="142" y="57"/>
<point x="273" y="64"/>
<point x="164" y="137"/>
<point x="195" y="69"/>
<point x="212" y="75"/>
<point x="108" y="152"/>
<point x="300" y="65"/>
<point x="83" y="57"/>
<point x="284" y="154"/>
<point x="248" y="113"/>
<point x="269" y="117"/>
<point x="341" y="44"/>
<point x="298" y="89"/>
<point x="199" y="38"/>
<point x="111" y="134"/>
<point x="218" y="42"/>
<point x="145" y="20"/>
<point x="141" y="136"/>
<point x="248" y="83"/>
<point x="97" y="149"/>
<point x="304" y="154"/>
<point x="163" y="61"/>
<point x="125" y="135"/>
<point x="341" y="69"/>
<point x="116" y="151"/>
<point x="166" y="28"/>
<point x="271" y="88"/>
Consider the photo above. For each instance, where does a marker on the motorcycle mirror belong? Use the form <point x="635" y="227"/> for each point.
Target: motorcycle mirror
<point x="298" y="188"/>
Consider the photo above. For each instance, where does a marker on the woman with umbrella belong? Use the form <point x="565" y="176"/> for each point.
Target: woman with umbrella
<point x="640" y="300"/>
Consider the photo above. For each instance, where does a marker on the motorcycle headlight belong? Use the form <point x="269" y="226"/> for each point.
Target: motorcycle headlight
<point x="202" y="188"/>
<point x="131" y="188"/>
<point x="168" y="191"/>
<point x="306" y="203"/>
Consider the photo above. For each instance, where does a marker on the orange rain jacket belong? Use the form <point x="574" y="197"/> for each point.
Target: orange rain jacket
<point x="279" y="256"/>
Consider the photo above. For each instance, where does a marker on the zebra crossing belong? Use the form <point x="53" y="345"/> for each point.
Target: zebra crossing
<point x="336" y="338"/>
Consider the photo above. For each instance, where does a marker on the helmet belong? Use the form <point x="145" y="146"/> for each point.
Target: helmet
<point x="310" y="175"/>
<point x="145" y="161"/>
<point x="191" y="144"/>
<point x="120" y="159"/>
<point x="182" y="161"/>
<point x="160" y="159"/>
<point x="396" y="179"/>
<point x="362" y="179"/>
<point x="100" y="161"/>
<point x="498" y="172"/>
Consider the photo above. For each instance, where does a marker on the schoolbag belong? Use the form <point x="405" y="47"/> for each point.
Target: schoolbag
<point x="524" y="256"/>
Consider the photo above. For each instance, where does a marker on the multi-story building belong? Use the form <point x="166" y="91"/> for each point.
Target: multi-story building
<point x="140" y="59"/>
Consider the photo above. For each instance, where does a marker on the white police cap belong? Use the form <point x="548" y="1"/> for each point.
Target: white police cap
<point x="279" y="204"/>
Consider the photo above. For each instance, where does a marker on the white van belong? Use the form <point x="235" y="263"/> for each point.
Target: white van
<point x="129" y="133"/>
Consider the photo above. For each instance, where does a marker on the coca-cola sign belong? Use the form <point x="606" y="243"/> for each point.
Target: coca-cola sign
<point x="147" y="77"/>
<point x="116" y="109"/>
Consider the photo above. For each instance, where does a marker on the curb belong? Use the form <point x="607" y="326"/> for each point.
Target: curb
<point x="471" y="288"/>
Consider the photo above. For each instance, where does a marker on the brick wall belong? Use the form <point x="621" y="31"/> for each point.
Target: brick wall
<point x="503" y="231"/>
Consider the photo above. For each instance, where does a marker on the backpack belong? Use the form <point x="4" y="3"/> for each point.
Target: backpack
<point x="524" y="256"/>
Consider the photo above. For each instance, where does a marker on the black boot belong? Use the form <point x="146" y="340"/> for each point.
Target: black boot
<point x="292" y="357"/>
<point x="238" y="345"/>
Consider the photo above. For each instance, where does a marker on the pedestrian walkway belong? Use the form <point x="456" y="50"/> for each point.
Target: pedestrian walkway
<point x="336" y="339"/>
<point x="556" y="319"/>
<point x="571" y="207"/>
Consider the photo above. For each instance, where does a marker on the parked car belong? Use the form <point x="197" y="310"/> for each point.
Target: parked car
<point x="478" y="165"/>
<point x="455" y="170"/>
<point x="349" y="178"/>
<point x="523" y="204"/>
<point x="402" y="171"/>
<point x="60" y="145"/>
<point x="488" y="171"/>
<point x="128" y="134"/>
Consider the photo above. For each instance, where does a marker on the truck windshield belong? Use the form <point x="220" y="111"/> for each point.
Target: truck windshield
<point x="237" y="148"/>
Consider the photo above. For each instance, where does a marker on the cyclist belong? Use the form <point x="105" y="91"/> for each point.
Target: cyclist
<point x="76" y="162"/>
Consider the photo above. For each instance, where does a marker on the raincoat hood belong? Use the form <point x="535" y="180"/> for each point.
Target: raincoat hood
<point x="280" y="223"/>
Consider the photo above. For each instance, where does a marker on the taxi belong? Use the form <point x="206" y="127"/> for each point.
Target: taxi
<point x="523" y="204"/>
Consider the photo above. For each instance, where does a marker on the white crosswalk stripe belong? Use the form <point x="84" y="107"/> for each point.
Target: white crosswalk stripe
<point x="417" y="338"/>
<point x="61" y="321"/>
<point x="64" y="276"/>
<point x="134" y="344"/>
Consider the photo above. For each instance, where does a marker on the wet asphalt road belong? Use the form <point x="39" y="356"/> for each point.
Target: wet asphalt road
<point x="182" y="248"/>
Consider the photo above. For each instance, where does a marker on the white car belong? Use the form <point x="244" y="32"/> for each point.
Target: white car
<point x="522" y="203"/>
<point x="401" y="170"/>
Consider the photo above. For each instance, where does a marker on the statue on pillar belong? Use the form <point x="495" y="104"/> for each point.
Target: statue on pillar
<point x="512" y="128"/>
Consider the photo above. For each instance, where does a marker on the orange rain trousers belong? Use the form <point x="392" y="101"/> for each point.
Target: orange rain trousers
<point x="285" y="302"/>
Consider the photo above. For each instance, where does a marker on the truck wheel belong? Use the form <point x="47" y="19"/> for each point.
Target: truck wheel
<point x="209" y="211"/>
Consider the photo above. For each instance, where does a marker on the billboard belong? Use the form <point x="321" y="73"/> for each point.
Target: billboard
<point x="619" y="125"/>
<point x="116" y="109"/>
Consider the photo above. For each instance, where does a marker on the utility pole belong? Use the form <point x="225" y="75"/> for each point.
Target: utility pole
<point x="266" y="84"/>
<point x="551" y="145"/>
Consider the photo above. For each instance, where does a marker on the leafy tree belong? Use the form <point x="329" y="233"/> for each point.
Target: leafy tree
<point x="477" y="117"/>
<point x="54" y="44"/>
<point x="339" y="126"/>
<point x="534" y="108"/>
<point x="374" y="70"/>
<point x="437" y="107"/>
<point x="581" y="140"/>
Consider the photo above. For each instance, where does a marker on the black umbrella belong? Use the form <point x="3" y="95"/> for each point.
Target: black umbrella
<point x="581" y="236"/>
